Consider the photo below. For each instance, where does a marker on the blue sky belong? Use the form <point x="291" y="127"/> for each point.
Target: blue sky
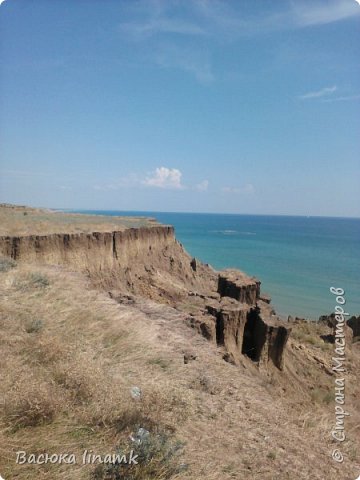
<point x="248" y="106"/>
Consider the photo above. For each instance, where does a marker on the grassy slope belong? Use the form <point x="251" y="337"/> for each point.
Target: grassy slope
<point x="16" y="220"/>
<point x="70" y="355"/>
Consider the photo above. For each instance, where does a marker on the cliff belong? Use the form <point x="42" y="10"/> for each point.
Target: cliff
<point x="144" y="260"/>
<point x="150" y="262"/>
<point x="91" y="313"/>
<point x="98" y="249"/>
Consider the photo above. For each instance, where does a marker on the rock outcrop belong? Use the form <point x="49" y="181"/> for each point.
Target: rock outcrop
<point x="351" y="328"/>
<point x="236" y="284"/>
<point x="240" y="322"/>
<point x="354" y="324"/>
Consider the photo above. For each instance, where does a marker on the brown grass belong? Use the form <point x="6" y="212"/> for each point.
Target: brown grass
<point x="17" y="220"/>
<point x="70" y="356"/>
<point x="30" y="403"/>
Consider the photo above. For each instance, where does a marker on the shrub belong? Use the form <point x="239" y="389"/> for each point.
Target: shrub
<point x="157" y="459"/>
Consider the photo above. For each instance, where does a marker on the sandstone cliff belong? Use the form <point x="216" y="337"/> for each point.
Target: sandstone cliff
<point x="226" y="307"/>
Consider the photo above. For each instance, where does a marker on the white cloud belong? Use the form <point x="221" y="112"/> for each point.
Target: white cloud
<point x="164" y="177"/>
<point x="319" y="93"/>
<point x="319" y="13"/>
<point x="166" y="27"/>
<point x="142" y="30"/>
<point x="202" y="186"/>
<point x="327" y="93"/>
<point x="245" y="189"/>
<point x="2" y="1"/>
<point x="229" y="20"/>
<point x="161" y="177"/>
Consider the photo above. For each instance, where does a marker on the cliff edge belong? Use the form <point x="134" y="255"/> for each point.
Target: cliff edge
<point x="147" y="260"/>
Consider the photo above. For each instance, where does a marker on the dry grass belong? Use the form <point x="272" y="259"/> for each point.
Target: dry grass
<point x="70" y="356"/>
<point x="309" y="333"/>
<point x="29" y="403"/>
<point x="66" y="363"/>
<point x="18" y="220"/>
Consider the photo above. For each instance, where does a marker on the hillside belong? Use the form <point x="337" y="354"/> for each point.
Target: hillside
<point x="114" y="327"/>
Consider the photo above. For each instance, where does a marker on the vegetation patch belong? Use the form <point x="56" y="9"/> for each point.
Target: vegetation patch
<point x="157" y="457"/>
<point x="6" y="264"/>
<point x="34" y="326"/>
<point x="32" y="280"/>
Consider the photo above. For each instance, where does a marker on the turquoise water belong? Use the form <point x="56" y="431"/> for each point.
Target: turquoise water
<point x="297" y="259"/>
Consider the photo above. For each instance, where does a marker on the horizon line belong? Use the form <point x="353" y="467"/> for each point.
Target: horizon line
<point x="208" y="213"/>
<point x="79" y="210"/>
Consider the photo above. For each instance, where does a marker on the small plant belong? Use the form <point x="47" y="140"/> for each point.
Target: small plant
<point x="6" y="264"/>
<point x="34" y="326"/>
<point x="271" y="456"/>
<point x="164" y="364"/>
<point x="157" y="457"/>
<point x="38" y="280"/>
<point x="32" y="280"/>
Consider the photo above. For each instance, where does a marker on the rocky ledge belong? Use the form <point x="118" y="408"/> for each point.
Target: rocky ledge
<point x="241" y="323"/>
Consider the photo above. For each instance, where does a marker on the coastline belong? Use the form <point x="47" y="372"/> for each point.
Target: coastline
<point x="297" y="274"/>
<point x="110" y="333"/>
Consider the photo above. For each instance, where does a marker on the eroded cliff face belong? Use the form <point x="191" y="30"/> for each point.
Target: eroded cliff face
<point x="145" y="260"/>
<point x="150" y="262"/>
<point x="242" y="323"/>
<point x="100" y="249"/>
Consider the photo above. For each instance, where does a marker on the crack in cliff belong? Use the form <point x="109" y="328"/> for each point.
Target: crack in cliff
<point x="15" y="248"/>
<point x="114" y="251"/>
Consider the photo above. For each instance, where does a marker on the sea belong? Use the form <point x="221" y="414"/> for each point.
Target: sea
<point x="297" y="259"/>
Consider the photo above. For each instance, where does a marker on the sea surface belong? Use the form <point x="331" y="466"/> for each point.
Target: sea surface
<point x="297" y="259"/>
